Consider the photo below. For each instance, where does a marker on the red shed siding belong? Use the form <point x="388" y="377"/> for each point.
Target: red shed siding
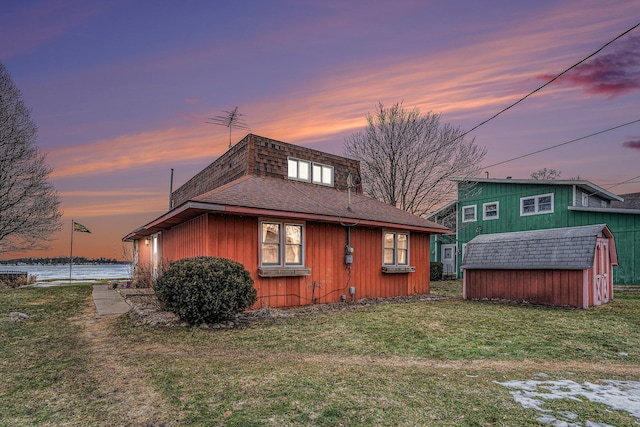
<point x="545" y="287"/>
<point x="237" y="238"/>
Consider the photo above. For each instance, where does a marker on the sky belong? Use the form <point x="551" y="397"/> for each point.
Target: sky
<point x="121" y="90"/>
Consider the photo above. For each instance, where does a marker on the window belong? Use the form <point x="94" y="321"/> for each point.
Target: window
<point x="396" y="249"/>
<point x="280" y="241"/>
<point x="536" y="205"/>
<point x="304" y="170"/>
<point x="604" y="204"/>
<point x="299" y="169"/>
<point x="469" y="213"/>
<point x="585" y="199"/>
<point x="490" y="210"/>
<point x="322" y="174"/>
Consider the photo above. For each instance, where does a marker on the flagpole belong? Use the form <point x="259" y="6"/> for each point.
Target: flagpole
<point x="71" y="253"/>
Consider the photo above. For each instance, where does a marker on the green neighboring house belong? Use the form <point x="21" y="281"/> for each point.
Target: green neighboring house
<point x="486" y="206"/>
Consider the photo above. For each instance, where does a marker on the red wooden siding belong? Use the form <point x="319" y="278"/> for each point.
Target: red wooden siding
<point x="237" y="238"/>
<point x="186" y="240"/>
<point x="545" y="287"/>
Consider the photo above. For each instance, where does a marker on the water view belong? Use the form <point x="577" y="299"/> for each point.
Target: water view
<point x="78" y="272"/>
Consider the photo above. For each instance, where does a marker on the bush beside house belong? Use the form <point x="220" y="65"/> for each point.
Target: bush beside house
<point x="206" y="289"/>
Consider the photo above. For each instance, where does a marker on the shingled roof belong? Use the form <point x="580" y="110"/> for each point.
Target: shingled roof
<point x="264" y="196"/>
<point x="570" y="248"/>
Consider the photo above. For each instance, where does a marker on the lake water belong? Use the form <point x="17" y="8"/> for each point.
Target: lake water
<point x="79" y="271"/>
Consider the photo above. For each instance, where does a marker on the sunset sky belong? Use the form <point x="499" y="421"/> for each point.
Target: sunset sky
<point x="121" y="90"/>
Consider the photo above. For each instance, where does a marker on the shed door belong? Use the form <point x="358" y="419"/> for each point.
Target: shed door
<point x="602" y="273"/>
<point x="449" y="260"/>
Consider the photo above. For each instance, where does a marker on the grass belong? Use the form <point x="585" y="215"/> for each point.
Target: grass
<point x="420" y="363"/>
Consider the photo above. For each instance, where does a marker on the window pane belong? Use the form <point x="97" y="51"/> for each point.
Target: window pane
<point x="402" y="257"/>
<point x="270" y="233"/>
<point x="491" y="210"/>
<point x="293" y="169"/>
<point x="293" y="254"/>
<point x="388" y="256"/>
<point x="294" y="234"/>
<point x="389" y="240"/>
<point x="327" y="173"/>
<point x="402" y="241"/>
<point x="469" y="214"/>
<point x="448" y="253"/>
<point x="303" y="170"/>
<point x="270" y="254"/>
<point x="544" y="203"/>
<point x="317" y="173"/>
<point x="528" y="205"/>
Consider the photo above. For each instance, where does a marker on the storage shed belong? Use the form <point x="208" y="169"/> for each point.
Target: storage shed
<point x="559" y="266"/>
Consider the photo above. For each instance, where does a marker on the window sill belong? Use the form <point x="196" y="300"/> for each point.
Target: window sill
<point x="398" y="269"/>
<point x="283" y="271"/>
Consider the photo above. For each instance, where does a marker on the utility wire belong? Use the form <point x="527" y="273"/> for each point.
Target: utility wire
<point x="549" y="82"/>
<point x="563" y="143"/>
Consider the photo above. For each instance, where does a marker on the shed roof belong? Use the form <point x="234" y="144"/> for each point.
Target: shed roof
<point x="571" y="248"/>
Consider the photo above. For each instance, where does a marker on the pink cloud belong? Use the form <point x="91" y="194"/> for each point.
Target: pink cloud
<point x="632" y="144"/>
<point x="191" y="101"/>
<point x="615" y="73"/>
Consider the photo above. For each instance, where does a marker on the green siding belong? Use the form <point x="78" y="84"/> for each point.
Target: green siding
<point x="625" y="227"/>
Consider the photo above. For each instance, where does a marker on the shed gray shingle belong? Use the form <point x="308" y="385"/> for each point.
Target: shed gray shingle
<point x="570" y="248"/>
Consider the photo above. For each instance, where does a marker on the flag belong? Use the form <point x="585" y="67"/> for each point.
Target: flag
<point x="81" y="228"/>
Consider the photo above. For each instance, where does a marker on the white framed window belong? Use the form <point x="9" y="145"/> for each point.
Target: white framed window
<point x="585" y="199"/>
<point x="535" y="205"/>
<point x="491" y="210"/>
<point x="395" y="249"/>
<point x="322" y="174"/>
<point x="281" y="244"/>
<point x="469" y="213"/>
<point x="299" y="170"/>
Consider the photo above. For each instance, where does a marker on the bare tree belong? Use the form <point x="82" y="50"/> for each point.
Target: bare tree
<point x="407" y="158"/>
<point x="546" y="174"/>
<point x="29" y="205"/>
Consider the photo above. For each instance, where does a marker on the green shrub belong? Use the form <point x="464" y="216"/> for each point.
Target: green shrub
<point x="205" y="289"/>
<point x="436" y="270"/>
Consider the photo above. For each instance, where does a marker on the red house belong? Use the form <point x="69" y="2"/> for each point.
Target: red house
<point x="297" y="220"/>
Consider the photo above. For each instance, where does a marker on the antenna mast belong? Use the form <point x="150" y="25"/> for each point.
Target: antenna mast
<point x="232" y="120"/>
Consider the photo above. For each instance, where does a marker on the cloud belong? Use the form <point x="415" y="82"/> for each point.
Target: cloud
<point x="29" y="27"/>
<point x="634" y="144"/>
<point x="613" y="74"/>
<point x="191" y="101"/>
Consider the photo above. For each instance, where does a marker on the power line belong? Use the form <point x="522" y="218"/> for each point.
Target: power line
<point x="562" y="143"/>
<point x="549" y="82"/>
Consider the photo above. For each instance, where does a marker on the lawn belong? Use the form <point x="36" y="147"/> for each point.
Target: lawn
<point x="397" y="364"/>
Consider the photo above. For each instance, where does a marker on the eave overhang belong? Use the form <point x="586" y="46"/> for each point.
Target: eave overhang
<point x="192" y="209"/>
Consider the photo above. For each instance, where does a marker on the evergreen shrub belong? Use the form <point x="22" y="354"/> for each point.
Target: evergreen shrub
<point x="205" y="289"/>
<point x="436" y="270"/>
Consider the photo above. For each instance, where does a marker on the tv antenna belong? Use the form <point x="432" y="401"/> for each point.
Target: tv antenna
<point x="232" y="120"/>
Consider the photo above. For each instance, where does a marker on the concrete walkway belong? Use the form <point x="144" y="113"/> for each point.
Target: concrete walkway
<point x="109" y="301"/>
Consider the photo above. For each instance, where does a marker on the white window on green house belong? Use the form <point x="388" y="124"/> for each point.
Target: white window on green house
<point x="490" y="210"/>
<point x="469" y="213"/>
<point x="272" y="249"/>
<point x="396" y="249"/>
<point x="536" y="205"/>
<point x="299" y="169"/>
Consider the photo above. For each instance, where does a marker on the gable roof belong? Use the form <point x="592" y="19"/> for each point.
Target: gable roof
<point x="570" y="248"/>
<point x="590" y="187"/>
<point x="283" y="198"/>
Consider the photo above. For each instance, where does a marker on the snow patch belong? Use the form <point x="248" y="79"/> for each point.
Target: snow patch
<point x="532" y="394"/>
